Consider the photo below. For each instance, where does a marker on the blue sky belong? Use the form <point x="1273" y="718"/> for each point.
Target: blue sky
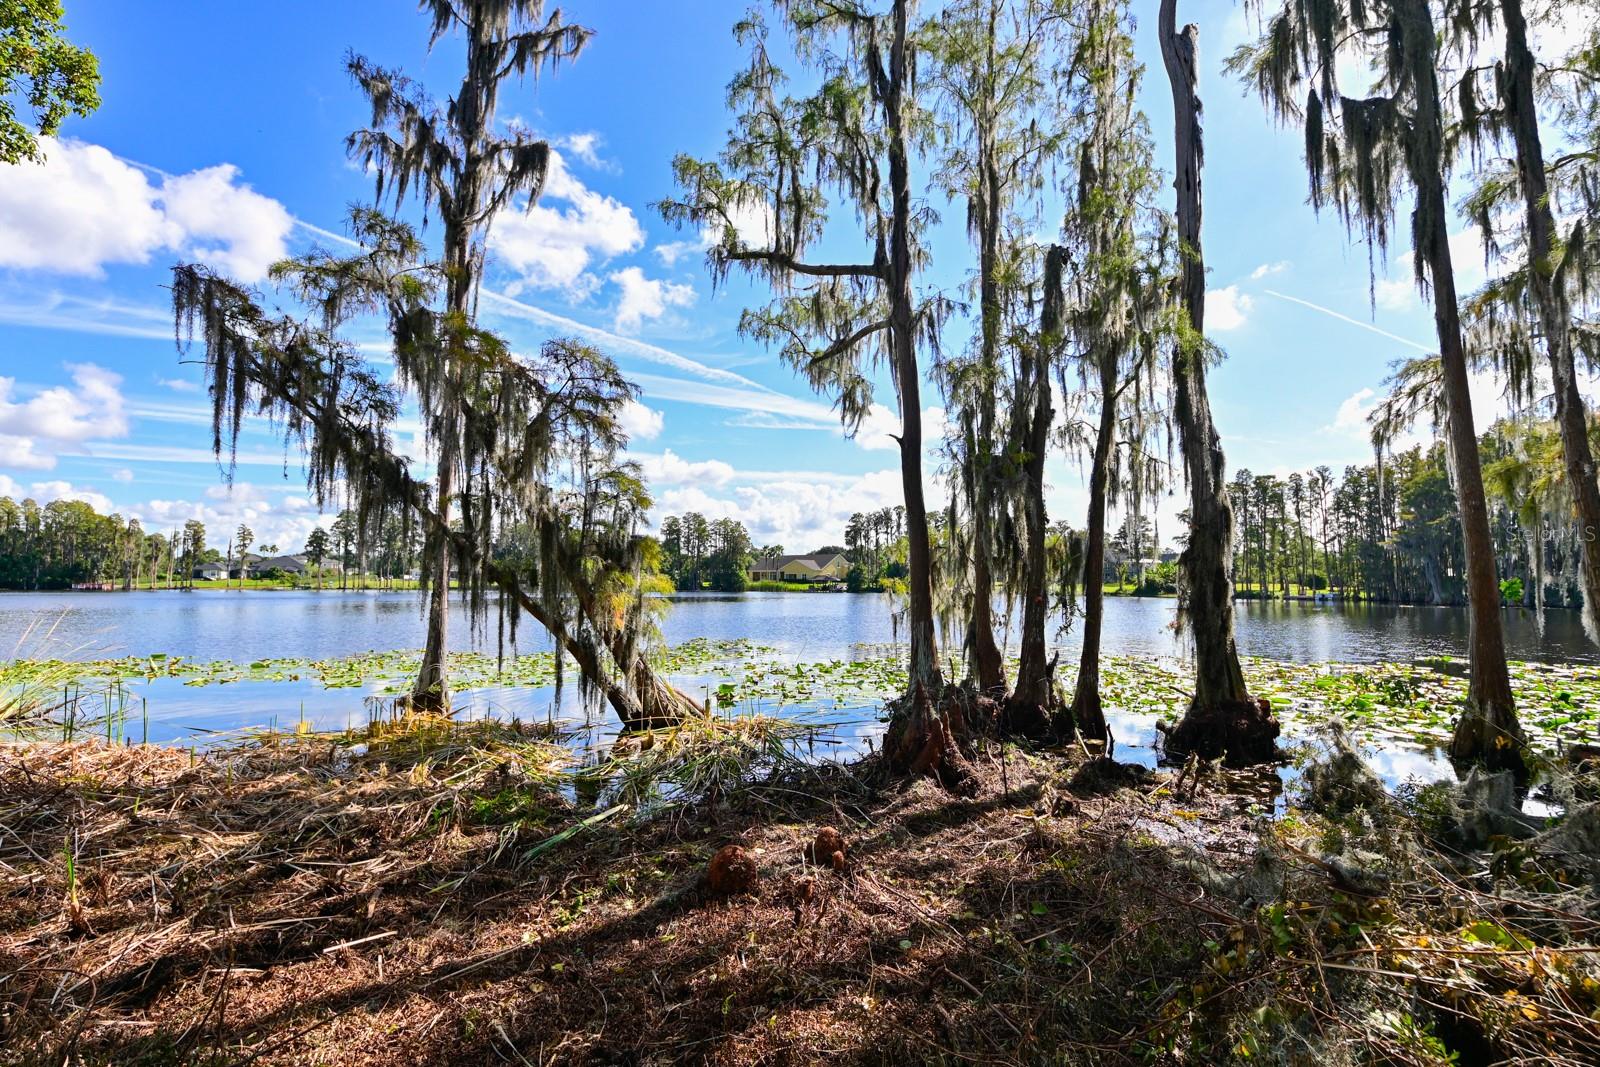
<point x="221" y="138"/>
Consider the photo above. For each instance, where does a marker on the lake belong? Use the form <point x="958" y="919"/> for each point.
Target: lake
<point x="250" y="625"/>
<point x="215" y="624"/>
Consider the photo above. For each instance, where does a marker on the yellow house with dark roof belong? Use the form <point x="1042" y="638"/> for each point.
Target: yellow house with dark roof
<point x="812" y="568"/>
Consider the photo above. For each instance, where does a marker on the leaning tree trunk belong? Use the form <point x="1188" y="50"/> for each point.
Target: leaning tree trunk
<point x="1087" y="712"/>
<point x="926" y="732"/>
<point x="988" y="665"/>
<point x="1222" y="719"/>
<point x="924" y="666"/>
<point x="1554" y="312"/>
<point x="1032" y="707"/>
<point x="1488" y="731"/>
<point x="431" y="690"/>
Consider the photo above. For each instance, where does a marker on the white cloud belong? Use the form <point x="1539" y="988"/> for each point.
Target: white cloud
<point x="752" y="221"/>
<point x="880" y="430"/>
<point x="1398" y="292"/>
<point x="646" y="298"/>
<point x="92" y="406"/>
<point x="226" y="224"/>
<point x="180" y="385"/>
<point x="45" y="492"/>
<point x="552" y="247"/>
<point x="18" y="453"/>
<point x="1489" y="402"/>
<point x="275" y="516"/>
<point x="763" y="420"/>
<point x="616" y="343"/>
<point x="586" y="147"/>
<point x="122" y="474"/>
<point x="1351" y="418"/>
<point x="669" y="468"/>
<point x="82" y="209"/>
<point x="1395" y="294"/>
<point x="1226" y="309"/>
<point x="797" y="512"/>
<point x="672" y="251"/>
<point x="1266" y="270"/>
<point x="1350" y="423"/>
<point x="744" y="398"/>
<point x="640" y="423"/>
<point x="238" y="493"/>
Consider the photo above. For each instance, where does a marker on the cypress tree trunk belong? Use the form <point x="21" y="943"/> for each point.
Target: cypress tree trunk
<point x="987" y="663"/>
<point x="924" y="666"/>
<point x="1487" y="731"/>
<point x="431" y="691"/>
<point x="925" y="730"/>
<point x="1087" y="712"/>
<point x="1032" y="704"/>
<point x="463" y="261"/>
<point x="1554" y="312"/>
<point x="1222" y="719"/>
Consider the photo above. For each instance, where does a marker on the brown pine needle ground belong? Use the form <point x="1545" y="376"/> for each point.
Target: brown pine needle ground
<point x="430" y="895"/>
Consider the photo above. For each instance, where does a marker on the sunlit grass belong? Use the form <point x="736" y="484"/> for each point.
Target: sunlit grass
<point x="705" y="759"/>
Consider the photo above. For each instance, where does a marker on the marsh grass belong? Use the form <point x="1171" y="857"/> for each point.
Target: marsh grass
<point x="706" y="759"/>
<point x="43" y="691"/>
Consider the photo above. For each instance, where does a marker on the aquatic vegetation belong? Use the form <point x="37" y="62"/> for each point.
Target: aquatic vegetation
<point x="1381" y="703"/>
<point x="388" y="671"/>
<point x="703" y="759"/>
<point x="33" y="692"/>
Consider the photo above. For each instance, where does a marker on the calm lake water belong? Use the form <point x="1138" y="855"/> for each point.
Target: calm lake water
<point x="245" y="626"/>
<point x="214" y="624"/>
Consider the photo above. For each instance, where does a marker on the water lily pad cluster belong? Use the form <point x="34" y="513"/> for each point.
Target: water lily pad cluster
<point x="1418" y="703"/>
<point x="1383" y="703"/>
<point x="388" y="671"/>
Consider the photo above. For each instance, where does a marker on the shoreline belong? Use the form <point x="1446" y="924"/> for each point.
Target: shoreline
<point x="431" y="898"/>
<point x="411" y="586"/>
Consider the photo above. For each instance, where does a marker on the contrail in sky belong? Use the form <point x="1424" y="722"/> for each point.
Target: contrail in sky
<point x="1354" y="322"/>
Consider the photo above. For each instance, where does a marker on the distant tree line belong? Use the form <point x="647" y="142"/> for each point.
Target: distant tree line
<point x="1390" y="531"/>
<point x="875" y="545"/>
<point x="67" y="543"/>
<point x="700" y="553"/>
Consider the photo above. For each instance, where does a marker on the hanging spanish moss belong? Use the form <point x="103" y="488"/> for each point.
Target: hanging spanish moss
<point x="1119" y="321"/>
<point x="454" y="160"/>
<point x="766" y="200"/>
<point x="1381" y="146"/>
<point x="538" y="441"/>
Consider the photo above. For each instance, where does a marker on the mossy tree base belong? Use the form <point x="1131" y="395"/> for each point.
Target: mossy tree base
<point x="1241" y="733"/>
<point x="1087" y="716"/>
<point x="1491" y="739"/>
<point x="1039" y="723"/>
<point x="938" y="740"/>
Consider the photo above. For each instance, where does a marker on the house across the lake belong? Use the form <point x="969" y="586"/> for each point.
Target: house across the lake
<point x="211" y="572"/>
<point x="830" y="567"/>
<point x="286" y="564"/>
<point x="295" y="566"/>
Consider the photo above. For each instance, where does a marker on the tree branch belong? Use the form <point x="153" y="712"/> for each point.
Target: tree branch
<point x="815" y="270"/>
<point x="844" y="344"/>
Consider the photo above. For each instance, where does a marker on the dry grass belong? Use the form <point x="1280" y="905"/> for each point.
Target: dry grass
<point x="396" y="900"/>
